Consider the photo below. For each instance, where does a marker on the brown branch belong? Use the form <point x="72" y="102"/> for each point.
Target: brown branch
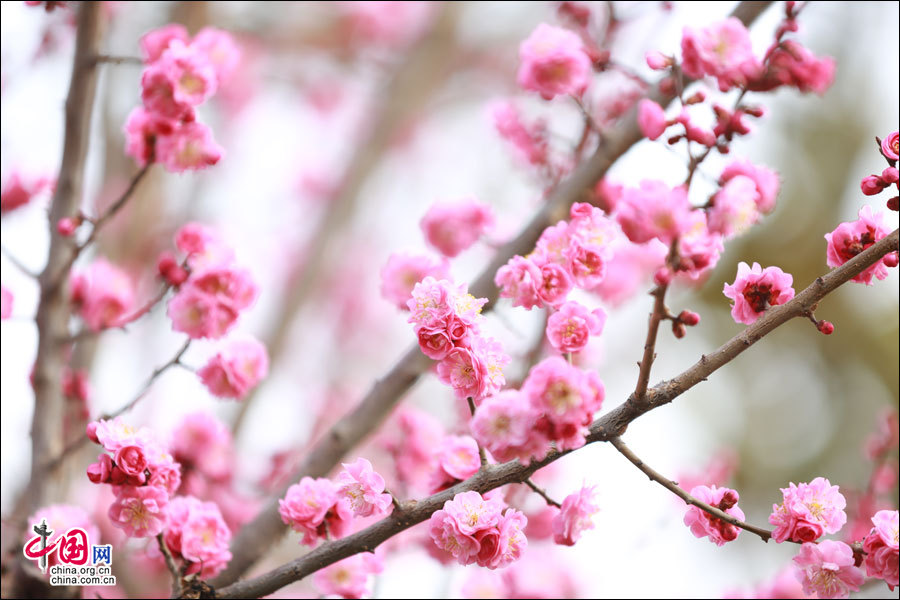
<point x="254" y="538"/>
<point x="659" y="313"/>
<point x="542" y="493"/>
<point x="117" y="60"/>
<point x="482" y="457"/>
<point x="764" y="534"/>
<point x="53" y="307"/>
<point x="170" y="564"/>
<point x="606" y="428"/>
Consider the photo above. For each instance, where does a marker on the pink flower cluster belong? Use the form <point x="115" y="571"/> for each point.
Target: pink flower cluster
<point x="703" y="524"/>
<point x="553" y="63"/>
<point x="403" y="271"/>
<point x="363" y="488"/>
<point x="576" y="515"/>
<point x="236" y="369"/>
<point x="142" y="473"/>
<point x="755" y="289"/>
<point x="567" y="254"/>
<point x="447" y="322"/>
<point x="180" y="75"/>
<point x="197" y="534"/>
<point x="475" y="530"/>
<point x="18" y="190"/>
<point x="653" y="210"/>
<point x="827" y="569"/>
<point x="314" y="508"/>
<point x="791" y="64"/>
<point x="851" y="238"/>
<point x="569" y="328"/>
<point x="450" y="228"/>
<point x="208" y="303"/>
<point x="349" y="578"/>
<point x="881" y="547"/>
<point x="808" y="511"/>
<point x="103" y="295"/>
<point x="721" y="50"/>
<point x="556" y="404"/>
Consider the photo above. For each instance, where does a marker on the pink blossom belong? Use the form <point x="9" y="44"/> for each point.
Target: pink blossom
<point x="504" y="424"/>
<point x="103" y="294"/>
<point x="575" y="516"/>
<point x="556" y="283"/>
<point x="699" y="249"/>
<point x="808" y="511"/>
<point x="389" y="24"/>
<point x="651" y="119"/>
<point x="220" y="50"/>
<point x="630" y="265"/>
<point x="191" y="75"/>
<point x="204" y="443"/>
<point x="766" y="181"/>
<point x="313" y="508"/>
<point x="198" y="534"/>
<point x="520" y="279"/>
<point x="703" y="524"/>
<point x="154" y="43"/>
<point x="657" y="61"/>
<point x="433" y="301"/>
<point x="792" y="64"/>
<point x="404" y="270"/>
<point x="190" y="147"/>
<point x="450" y="228"/>
<point x="755" y="289"/>
<point x="851" y="238"/>
<point x="653" y="210"/>
<point x="569" y="328"/>
<point x="721" y="50"/>
<point x="6" y="303"/>
<point x="131" y="460"/>
<point x="60" y="518"/>
<point x="209" y="303"/>
<point x="530" y="143"/>
<point x="734" y="207"/>
<point x="412" y="448"/>
<point x="350" y="577"/>
<point x="203" y="246"/>
<point x="475" y="529"/>
<point x="890" y="146"/>
<point x="456" y="459"/>
<point x="553" y="62"/>
<point x="567" y="399"/>
<point x="19" y="190"/>
<point x="872" y="185"/>
<point x="235" y="369"/>
<point x="881" y="547"/>
<point x="158" y="93"/>
<point x="826" y="569"/>
<point x="364" y="488"/>
<point x="100" y="471"/>
<point x="142" y="129"/>
<point x="115" y="433"/>
<point x="139" y="511"/>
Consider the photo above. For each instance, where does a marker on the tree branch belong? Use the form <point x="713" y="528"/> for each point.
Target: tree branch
<point x="542" y="493"/>
<point x="607" y="428"/>
<point x="658" y="314"/>
<point x="170" y="564"/>
<point x="258" y="535"/>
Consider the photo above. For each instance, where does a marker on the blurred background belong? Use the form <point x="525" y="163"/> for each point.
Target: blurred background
<point x="331" y="118"/>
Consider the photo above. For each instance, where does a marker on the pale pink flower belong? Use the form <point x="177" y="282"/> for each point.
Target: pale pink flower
<point x="220" y="50"/>
<point x="500" y="547"/>
<point x="192" y="75"/>
<point x="203" y="245"/>
<point x="890" y="146"/>
<point x="651" y="119"/>
<point x="412" y="448"/>
<point x="364" y="488"/>
<point x="808" y="511"/>
<point x="575" y="516"/>
<point x="553" y="62"/>
<point x="350" y="577"/>
<point x="734" y="207"/>
<point x="755" y="289"/>
<point x="520" y="279"/>
<point x="114" y="433"/>
<point x="465" y="371"/>
<point x="139" y="511"/>
<point x="569" y="328"/>
<point x="154" y="43"/>
<point x="766" y="181"/>
<point x="313" y="508"/>
<point x="552" y="245"/>
<point x="851" y="238"/>
<point x="6" y="303"/>
<point x="504" y="424"/>
<point x="190" y="147"/>
<point x="881" y="547"/>
<point x="703" y="524"/>
<point x="103" y="294"/>
<point x="628" y="268"/>
<point x="198" y="534"/>
<point x="826" y="569"/>
<point x="586" y="260"/>
<point x="385" y="23"/>
<point x="204" y="442"/>
<point x="404" y="270"/>
<point x="494" y="358"/>
<point x="450" y="228"/>
<point x="60" y="518"/>
<point x="699" y="249"/>
<point x="721" y="50"/>
<point x="530" y="143"/>
<point x="653" y="210"/>
<point x="235" y="369"/>
<point x="456" y="459"/>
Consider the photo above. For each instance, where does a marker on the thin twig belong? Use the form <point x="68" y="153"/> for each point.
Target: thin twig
<point x="542" y="493"/>
<point x="123" y="326"/>
<point x="658" y="314"/>
<point x="170" y="564"/>
<point x="17" y="263"/>
<point x="481" y="454"/>
<point x="764" y="534"/>
<point x="117" y="60"/>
